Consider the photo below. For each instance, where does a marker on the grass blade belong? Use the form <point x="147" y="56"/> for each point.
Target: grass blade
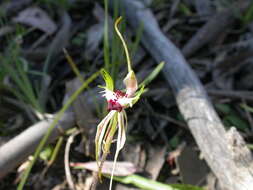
<point x="53" y="124"/>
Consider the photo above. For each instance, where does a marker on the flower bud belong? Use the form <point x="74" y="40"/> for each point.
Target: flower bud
<point x="131" y="84"/>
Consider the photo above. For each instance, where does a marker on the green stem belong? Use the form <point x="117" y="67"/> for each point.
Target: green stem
<point x="123" y="43"/>
<point x="148" y="184"/>
<point x="56" y="151"/>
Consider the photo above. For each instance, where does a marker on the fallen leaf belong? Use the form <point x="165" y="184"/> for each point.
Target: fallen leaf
<point x="94" y="37"/>
<point x="36" y="17"/>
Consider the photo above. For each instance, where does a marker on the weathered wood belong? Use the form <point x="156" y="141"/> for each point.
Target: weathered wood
<point x="19" y="148"/>
<point x="225" y="153"/>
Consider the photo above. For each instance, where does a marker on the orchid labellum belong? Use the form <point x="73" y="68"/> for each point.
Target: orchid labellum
<point x="116" y="119"/>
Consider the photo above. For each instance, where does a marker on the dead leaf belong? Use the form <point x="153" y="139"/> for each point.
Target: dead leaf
<point x="36" y="17"/>
<point x="122" y="168"/>
<point x="94" y="37"/>
<point x="59" y="42"/>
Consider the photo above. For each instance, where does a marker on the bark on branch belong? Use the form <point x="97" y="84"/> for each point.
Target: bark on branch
<point x="19" y="148"/>
<point x="225" y="152"/>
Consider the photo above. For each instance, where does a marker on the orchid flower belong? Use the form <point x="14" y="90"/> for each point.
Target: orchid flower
<point x="116" y="119"/>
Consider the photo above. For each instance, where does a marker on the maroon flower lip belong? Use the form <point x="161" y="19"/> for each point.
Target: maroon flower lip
<point x="120" y="94"/>
<point x="113" y="104"/>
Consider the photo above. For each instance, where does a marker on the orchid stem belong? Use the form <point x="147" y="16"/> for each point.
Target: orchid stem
<point x="124" y="43"/>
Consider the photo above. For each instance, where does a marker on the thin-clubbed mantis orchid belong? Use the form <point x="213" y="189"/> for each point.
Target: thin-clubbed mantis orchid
<point x="116" y="119"/>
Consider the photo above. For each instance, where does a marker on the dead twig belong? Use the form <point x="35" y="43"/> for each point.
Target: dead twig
<point x="66" y="160"/>
<point x="19" y="148"/>
<point x="174" y="121"/>
<point x="231" y="61"/>
<point x="247" y="95"/>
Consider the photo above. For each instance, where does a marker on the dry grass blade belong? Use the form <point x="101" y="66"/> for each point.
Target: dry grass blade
<point x="66" y="160"/>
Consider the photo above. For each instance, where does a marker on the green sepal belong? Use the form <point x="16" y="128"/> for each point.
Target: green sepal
<point x="100" y="86"/>
<point x="108" y="79"/>
<point x="139" y="93"/>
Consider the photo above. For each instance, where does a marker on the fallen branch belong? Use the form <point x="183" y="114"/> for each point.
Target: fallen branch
<point x="225" y="152"/>
<point x="19" y="148"/>
<point x="246" y="95"/>
<point x="16" y="150"/>
<point x="214" y="27"/>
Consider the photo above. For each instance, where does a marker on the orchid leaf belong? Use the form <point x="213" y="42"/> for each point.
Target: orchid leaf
<point x="153" y="74"/>
<point x="108" y="79"/>
<point x="247" y="108"/>
<point x="46" y="153"/>
<point x="148" y="184"/>
<point x="138" y="94"/>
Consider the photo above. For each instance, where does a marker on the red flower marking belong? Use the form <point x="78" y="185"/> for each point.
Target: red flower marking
<point x="119" y="94"/>
<point x="113" y="104"/>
